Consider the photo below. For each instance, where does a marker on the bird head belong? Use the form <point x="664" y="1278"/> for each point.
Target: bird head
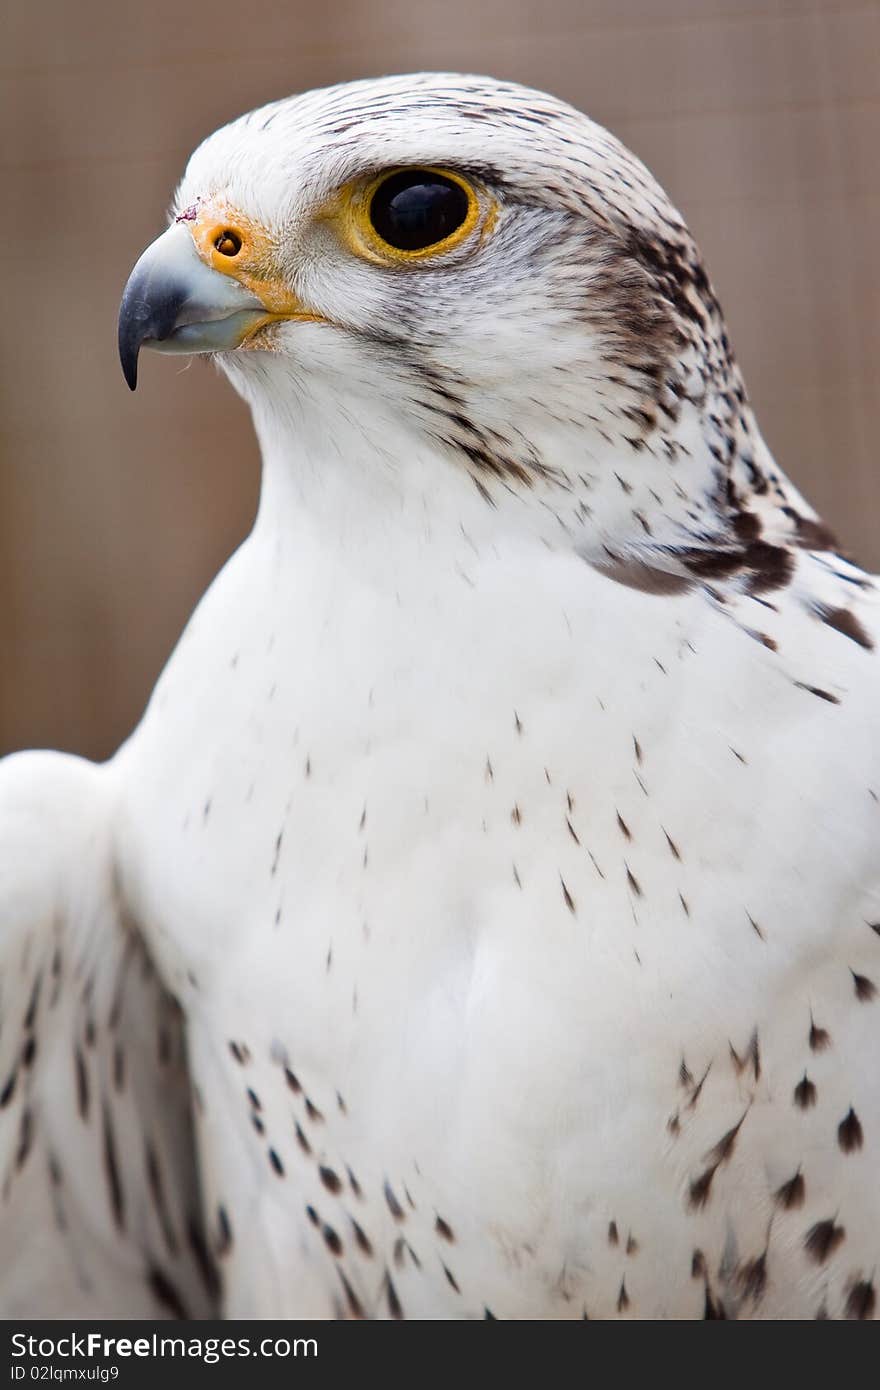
<point x="479" y="267"/>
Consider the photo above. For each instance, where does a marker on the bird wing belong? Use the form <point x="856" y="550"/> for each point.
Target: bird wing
<point x="100" y="1194"/>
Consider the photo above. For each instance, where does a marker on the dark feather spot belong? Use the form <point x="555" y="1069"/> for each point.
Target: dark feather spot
<point x="697" y="1091"/>
<point x="700" y="1188"/>
<point x="771" y="567"/>
<point x="394" y="1305"/>
<point x="111" y="1170"/>
<point x="330" y="1179"/>
<point x="751" y="1278"/>
<point x="849" y="1132"/>
<point x="569" y="900"/>
<point x="861" y="1300"/>
<point x="82" y="1084"/>
<point x="332" y="1241"/>
<point x="393" y="1205"/>
<point x="444" y="1229"/>
<point x="823" y="1239"/>
<point x="277" y="1165"/>
<point x="820" y="694"/>
<point x="805" y="1093"/>
<point x="277" y="852"/>
<point x="812" y="535"/>
<point x="713" y="1309"/>
<point x="791" y="1194"/>
<point x="30" y="1016"/>
<point x="25" y="1138"/>
<point x="354" y="1303"/>
<point x="865" y="989"/>
<point x="205" y="1265"/>
<point x="166" y="1293"/>
<point x="633" y="573"/>
<point x="224" y="1232"/>
<point x="726" y="1144"/>
<point x="820" y="1038"/>
<point x="361" y="1238"/>
<point x="846" y="623"/>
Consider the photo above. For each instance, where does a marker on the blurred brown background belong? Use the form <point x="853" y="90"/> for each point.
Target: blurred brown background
<point x="761" y="119"/>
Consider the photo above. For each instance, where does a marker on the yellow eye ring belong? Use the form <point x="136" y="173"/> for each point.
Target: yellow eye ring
<point x="416" y="205"/>
<point x="226" y="246"/>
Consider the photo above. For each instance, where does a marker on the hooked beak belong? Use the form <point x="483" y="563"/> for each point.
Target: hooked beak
<point x="173" y="302"/>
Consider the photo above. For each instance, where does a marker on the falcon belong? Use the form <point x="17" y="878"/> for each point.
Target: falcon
<point x="483" y="921"/>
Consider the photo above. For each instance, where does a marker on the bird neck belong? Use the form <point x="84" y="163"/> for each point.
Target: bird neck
<point x="361" y="481"/>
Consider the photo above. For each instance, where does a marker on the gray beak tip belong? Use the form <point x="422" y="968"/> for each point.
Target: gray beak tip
<point x="144" y="314"/>
<point x="128" y="357"/>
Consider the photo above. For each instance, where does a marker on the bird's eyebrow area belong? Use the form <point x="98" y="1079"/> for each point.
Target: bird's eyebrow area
<point x="488" y="174"/>
<point x="495" y="179"/>
<point x="481" y="173"/>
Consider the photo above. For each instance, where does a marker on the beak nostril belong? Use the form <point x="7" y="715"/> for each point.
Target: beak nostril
<point x="228" y="243"/>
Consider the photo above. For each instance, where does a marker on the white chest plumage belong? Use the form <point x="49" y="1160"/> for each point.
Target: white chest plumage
<point x="500" y="933"/>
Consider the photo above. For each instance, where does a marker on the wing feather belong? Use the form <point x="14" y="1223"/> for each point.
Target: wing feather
<point x="99" y="1183"/>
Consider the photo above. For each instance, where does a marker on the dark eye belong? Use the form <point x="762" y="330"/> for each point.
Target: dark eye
<point x="416" y="208"/>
